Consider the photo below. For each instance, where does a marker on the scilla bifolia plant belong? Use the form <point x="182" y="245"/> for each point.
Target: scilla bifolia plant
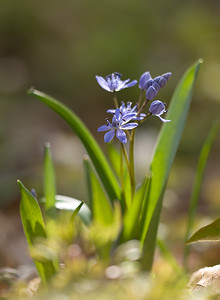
<point x="118" y="209"/>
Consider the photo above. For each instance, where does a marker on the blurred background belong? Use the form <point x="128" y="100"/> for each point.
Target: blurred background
<point x="58" y="47"/>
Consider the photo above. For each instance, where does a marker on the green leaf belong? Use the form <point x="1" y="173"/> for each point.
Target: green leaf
<point x="132" y="216"/>
<point x="210" y="232"/>
<point x="96" y="155"/>
<point x="198" y="181"/>
<point x="34" y="228"/>
<point x="72" y="204"/>
<point x="167" y="144"/>
<point x="101" y="207"/>
<point x="118" y="162"/>
<point x="115" y="158"/>
<point x="49" y="183"/>
<point x="71" y="228"/>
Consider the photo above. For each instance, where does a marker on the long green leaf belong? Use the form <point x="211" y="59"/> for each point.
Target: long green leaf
<point x="167" y="144"/>
<point x="210" y="232"/>
<point x="132" y="216"/>
<point x="95" y="153"/>
<point x="49" y="183"/>
<point x="72" y="204"/>
<point x="198" y="181"/>
<point x="34" y="228"/>
<point x="101" y="207"/>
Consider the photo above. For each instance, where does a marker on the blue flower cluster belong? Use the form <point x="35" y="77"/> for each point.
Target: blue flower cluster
<point x="125" y="114"/>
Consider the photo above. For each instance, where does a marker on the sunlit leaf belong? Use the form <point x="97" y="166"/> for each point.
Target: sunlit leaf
<point x="167" y="144"/>
<point x="72" y="204"/>
<point x="210" y="232"/>
<point x="49" y="183"/>
<point x="101" y="208"/>
<point x="96" y="155"/>
<point x="34" y="228"/>
<point x="132" y="216"/>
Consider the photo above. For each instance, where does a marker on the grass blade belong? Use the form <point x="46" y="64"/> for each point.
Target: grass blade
<point x="34" y="228"/>
<point x="96" y="155"/>
<point x="198" y="181"/>
<point x="167" y="145"/>
<point x="49" y="183"/>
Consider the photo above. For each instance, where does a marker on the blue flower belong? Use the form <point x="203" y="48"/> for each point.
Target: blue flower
<point x="117" y="127"/>
<point x="128" y="110"/>
<point x="157" y="108"/>
<point x="152" y="86"/>
<point x="113" y="83"/>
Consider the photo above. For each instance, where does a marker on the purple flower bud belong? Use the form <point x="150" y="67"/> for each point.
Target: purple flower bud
<point x="152" y="86"/>
<point x="143" y="80"/>
<point x="157" y="108"/>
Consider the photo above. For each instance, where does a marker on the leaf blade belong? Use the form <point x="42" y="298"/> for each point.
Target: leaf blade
<point x="34" y="228"/>
<point x="167" y="143"/>
<point x="49" y="183"/>
<point x="210" y="232"/>
<point x="72" y="204"/>
<point x="96" y="155"/>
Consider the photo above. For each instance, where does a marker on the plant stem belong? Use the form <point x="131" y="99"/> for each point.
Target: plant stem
<point x="142" y="107"/>
<point x="131" y="162"/>
<point x="122" y="178"/>
<point x="140" y="98"/>
<point x="115" y="100"/>
<point x="131" y="174"/>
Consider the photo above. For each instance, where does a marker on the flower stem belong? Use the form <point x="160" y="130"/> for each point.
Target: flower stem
<point x="140" y="98"/>
<point x="142" y="107"/>
<point x="115" y="100"/>
<point x="131" y="173"/>
<point x="131" y="162"/>
<point x="122" y="175"/>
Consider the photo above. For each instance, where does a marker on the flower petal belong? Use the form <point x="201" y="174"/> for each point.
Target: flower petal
<point x="109" y="135"/>
<point x="103" y="83"/>
<point x="130" y="84"/>
<point x="121" y="136"/>
<point x="111" y="111"/>
<point x="129" y="126"/>
<point x="128" y="117"/>
<point x="104" y="128"/>
<point x="163" y="120"/>
<point x="121" y="85"/>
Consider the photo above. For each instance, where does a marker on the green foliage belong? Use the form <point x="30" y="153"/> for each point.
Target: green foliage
<point x="101" y="208"/>
<point x="116" y="214"/>
<point x="164" y="154"/>
<point x="72" y="204"/>
<point x="198" y="181"/>
<point x="34" y="229"/>
<point x="210" y="232"/>
<point x="96" y="155"/>
<point x="49" y="183"/>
